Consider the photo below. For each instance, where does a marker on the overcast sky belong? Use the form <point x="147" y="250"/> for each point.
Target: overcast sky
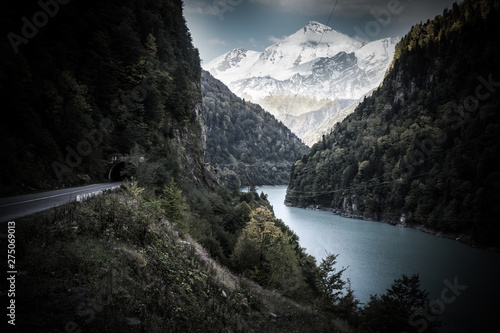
<point x="218" y="26"/>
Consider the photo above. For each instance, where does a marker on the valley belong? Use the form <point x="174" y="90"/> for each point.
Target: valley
<point x="191" y="176"/>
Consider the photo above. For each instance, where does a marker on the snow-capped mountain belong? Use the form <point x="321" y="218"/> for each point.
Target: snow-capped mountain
<point x="316" y="62"/>
<point x="336" y="77"/>
<point x="233" y="65"/>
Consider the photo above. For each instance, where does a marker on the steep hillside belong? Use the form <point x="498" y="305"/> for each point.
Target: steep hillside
<point x="96" y="81"/>
<point x="245" y="144"/>
<point x="120" y="263"/>
<point x="424" y="148"/>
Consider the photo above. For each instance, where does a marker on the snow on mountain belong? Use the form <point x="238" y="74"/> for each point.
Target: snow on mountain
<point x="233" y="65"/>
<point x="316" y="62"/>
<point x="337" y="77"/>
<point x="375" y="57"/>
<point x="314" y="41"/>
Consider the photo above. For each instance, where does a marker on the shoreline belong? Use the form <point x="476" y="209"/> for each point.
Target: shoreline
<point x="459" y="237"/>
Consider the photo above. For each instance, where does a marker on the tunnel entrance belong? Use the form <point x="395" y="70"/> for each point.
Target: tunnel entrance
<point x="120" y="171"/>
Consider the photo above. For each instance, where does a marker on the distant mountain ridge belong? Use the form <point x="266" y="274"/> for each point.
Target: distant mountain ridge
<point x="316" y="62"/>
<point x="245" y="145"/>
<point x="311" y="126"/>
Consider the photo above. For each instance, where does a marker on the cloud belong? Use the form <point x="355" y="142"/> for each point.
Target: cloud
<point x="274" y="39"/>
<point x="217" y="41"/>
<point x="210" y="7"/>
<point x="198" y="7"/>
<point x="354" y="8"/>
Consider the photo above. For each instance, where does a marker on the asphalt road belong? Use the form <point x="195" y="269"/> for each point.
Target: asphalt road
<point x="14" y="207"/>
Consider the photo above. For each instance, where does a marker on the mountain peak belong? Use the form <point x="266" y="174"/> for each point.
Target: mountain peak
<point x="315" y="32"/>
<point x="320" y="62"/>
<point x="317" y="27"/>
<point x="238" y="51"/>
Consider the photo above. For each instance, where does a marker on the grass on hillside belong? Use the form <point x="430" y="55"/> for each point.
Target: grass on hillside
<point x="115" y="264"/>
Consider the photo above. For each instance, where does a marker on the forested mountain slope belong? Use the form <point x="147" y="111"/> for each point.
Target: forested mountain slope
<point x="424" y="148"/>
<point x="120" y="80"/>
<point x="97" y="79"/>
<point x="246" y="144"/>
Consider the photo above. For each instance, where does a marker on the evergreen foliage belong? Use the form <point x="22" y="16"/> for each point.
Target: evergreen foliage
<point x="246" y="144"/>
<point x="330" y="284"/>
<point x="100" y="78"/>
<point x="174" y="202"/>
<point x="424" y="148"/>
<point x="400" y="309"/>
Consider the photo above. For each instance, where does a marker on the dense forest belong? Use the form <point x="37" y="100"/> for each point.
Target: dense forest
<point x="245" y="144"/>
<point x="97" y="79"/>
<point x="424" y="148"/>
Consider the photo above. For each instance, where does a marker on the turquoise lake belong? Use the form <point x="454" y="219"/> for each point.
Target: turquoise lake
<point x="376" y="253"/>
